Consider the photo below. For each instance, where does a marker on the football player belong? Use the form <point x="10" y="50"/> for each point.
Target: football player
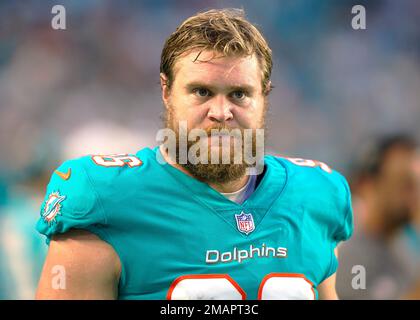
<point x="150" y="226"/>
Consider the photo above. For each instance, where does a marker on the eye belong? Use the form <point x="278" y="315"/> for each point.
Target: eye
<point x="201" y="92"/>
<point x="238" y="95"/>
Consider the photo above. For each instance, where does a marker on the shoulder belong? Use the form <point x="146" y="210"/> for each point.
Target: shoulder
<point x="70" y="185"/>
<point x="93" y="176"/>
<point x="106" y="166"/>
<point x="314" y="173"/>
<point x="74" y="197"/>
<point x="103" y="170"/>
<point x="324" y="190"/>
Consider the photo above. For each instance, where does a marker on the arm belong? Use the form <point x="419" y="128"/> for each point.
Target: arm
<point x="92" y="268"/>
<point x="327" y="289"/>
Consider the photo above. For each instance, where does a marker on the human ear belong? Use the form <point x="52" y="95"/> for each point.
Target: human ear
<point x="164" y="85"/>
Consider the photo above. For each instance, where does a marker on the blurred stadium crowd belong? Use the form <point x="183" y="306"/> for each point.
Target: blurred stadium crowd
<point x="93" y="88"/>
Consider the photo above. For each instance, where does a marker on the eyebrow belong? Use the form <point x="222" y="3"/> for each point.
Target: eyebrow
<point x="197" y="84"/>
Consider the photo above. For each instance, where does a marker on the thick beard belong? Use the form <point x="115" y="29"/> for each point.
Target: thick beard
<point x="207" y="172"/>
<point x="215" y="172"/>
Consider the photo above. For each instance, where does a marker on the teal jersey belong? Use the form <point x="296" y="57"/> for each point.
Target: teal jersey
<point x="177" y="238"/>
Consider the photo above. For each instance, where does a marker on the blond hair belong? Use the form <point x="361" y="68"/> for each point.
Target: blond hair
<point x="225" y="31"/>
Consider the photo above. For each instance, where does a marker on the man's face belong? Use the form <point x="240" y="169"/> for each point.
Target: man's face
<point x="215" y="92"/>
<point x="396" y="184"/>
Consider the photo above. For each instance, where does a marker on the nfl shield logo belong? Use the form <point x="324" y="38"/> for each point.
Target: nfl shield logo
<point x="245" y="222"/>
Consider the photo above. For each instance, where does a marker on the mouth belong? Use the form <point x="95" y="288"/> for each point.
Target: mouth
<point x="220" y="140"/>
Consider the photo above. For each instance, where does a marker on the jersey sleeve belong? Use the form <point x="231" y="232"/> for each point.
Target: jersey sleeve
<point x="70" y="201"/>
<point x="345" y="226"/>
<point x="345" y="229"/>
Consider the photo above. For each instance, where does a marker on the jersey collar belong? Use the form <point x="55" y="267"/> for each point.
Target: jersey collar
<point x="259" y="203"/>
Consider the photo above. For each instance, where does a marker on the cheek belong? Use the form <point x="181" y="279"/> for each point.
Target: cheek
<point x="196" y="117"/>
<point x="251" y="116"/>
<point x="185" y="110"/>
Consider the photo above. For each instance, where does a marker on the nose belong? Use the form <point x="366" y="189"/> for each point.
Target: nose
<point x="220" y="110"/>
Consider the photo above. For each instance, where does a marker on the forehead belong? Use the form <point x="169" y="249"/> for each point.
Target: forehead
<point x="210" y="67"/>
<point x="399" y="160"/>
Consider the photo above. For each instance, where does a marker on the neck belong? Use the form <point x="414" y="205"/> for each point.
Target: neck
<point x="230" y="186"/>
<point x="227" y="187"/>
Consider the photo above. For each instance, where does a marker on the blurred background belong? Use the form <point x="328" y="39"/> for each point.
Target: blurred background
<point x="341" y="96"/>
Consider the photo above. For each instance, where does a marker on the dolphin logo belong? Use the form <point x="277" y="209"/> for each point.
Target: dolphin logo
<point x="52" y="206"/>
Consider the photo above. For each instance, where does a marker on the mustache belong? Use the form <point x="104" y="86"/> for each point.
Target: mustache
<point x="222" y="129"/>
